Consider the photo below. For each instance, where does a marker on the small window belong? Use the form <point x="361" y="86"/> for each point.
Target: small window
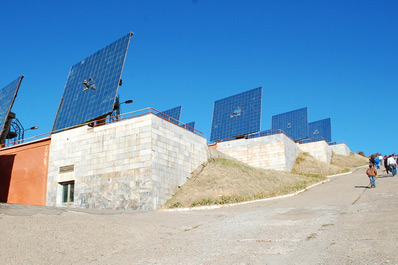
<point x="68" y="191"/>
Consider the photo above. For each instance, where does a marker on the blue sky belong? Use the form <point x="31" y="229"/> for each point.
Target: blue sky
<point x="338" y="58"/>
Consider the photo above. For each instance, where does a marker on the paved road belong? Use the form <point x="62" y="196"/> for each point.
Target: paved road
<point x="338" y="222"/>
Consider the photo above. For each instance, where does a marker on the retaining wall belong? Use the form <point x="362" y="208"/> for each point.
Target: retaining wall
<point x="132" y="164"/>
<point x="319" y="150"/>
<point x="341" y="149"/>
<point x="276" y="152"/>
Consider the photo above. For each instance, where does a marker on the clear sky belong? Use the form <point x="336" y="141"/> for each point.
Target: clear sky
<point x="338" y="58"/>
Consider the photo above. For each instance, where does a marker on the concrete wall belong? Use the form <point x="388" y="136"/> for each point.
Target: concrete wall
<point x="276" y="152"/>
<point x="341" y="149"/>
<point x="132" y="164"/>
<point x="176" y="153"/>
<point x="23" y="174"/>
<point x="319" y="150"/>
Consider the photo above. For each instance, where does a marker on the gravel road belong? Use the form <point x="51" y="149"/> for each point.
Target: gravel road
<point x="339" y="222"/>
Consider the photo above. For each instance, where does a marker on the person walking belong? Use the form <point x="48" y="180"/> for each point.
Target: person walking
<point x="377" y="162"/>
<point x="392" y="164"/>
<point x="372" y="173"/>
<point x="372" y="160"/>
<point x="385" y="163"/>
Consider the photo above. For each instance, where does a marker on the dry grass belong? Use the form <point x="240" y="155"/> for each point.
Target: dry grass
<point x="306" y="164"/>
<point x="226" y="181"/>
<point x="354" y="160"/>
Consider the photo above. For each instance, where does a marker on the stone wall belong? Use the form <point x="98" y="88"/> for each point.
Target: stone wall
<point x="319" y="150"/>
<point x="341" y="149"/>
<point x="176" y="153"/>
<point x="276" y="152"/>
<point x="132" y="164"/>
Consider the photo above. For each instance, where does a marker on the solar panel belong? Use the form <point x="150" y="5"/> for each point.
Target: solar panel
<point x="7" y="97"/>
<point x="92" y="84"/>
<point x="190" y="126"/>
<point x="236" y="115"/>
<point x="293" y="123"/>
<point x="321" y="128"/>
<point x="172" y="114"/>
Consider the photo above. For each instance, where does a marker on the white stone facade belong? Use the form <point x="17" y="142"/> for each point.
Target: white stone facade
<point x="319" y="150"/>
<point x="341" y="149"/>
<point x="132" y="164"/>
<point x="276" y="151"/>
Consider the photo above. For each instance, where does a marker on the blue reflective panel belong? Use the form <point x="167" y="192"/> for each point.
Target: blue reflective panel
<point x="7" y="97"/>
<point x="172" y="114"/>
<point x="236" y="115"/>
<point x="92" y="84"/>
<point x="190" y="126"/>
<point x="321" y="128"/>
<point x="293" y="123"/>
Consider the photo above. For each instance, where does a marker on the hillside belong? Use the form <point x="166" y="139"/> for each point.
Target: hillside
<point x="225" y="181"/>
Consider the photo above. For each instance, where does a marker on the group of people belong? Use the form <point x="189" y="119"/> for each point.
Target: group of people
<point x="390" y="164"/>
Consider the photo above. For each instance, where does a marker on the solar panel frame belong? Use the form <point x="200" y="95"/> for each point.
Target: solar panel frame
<point x="237" y="115"/>
<point x="293" y="123"/>
<point x="92" y="85"/>
<point x="321" y="128"/>
<point x="7" y="98"/>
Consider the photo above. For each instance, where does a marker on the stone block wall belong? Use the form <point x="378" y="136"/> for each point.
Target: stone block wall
<point x="131" y="164"/>
<point x="276" y="152"/>
<point x="176" y="153"/>
<point x="319" y="150"/>
<point x="341" y="149"/>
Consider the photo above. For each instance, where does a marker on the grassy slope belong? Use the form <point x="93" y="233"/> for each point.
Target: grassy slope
<point x="225" y="181"/>
<point x="354" y="160"/>
<point x="306" y="164"/>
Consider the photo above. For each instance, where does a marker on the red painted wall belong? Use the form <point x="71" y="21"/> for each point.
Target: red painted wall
<point x="23" y="173"/>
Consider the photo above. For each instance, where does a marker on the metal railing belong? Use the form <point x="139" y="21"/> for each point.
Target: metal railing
<point x="108" y="120"/>
<point x="146" y="111"/>
<point x="25" y="140"/>
<point x="311" y="140"/>
<point x="265" y="133"/>
<point x="251" y="136"/>
<point x="336" y="142"/>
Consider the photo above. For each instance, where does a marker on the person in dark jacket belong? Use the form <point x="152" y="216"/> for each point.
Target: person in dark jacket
<point x="385" y="164"/>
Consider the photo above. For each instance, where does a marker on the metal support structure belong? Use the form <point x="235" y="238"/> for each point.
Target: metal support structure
<point x="14" y="132"/>
<point x="117" y="110"/>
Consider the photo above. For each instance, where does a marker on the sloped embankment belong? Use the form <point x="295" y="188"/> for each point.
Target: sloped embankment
<point x="306" y="164"/>
<point x="225" y="181"/>
<point x="351" y="161"/>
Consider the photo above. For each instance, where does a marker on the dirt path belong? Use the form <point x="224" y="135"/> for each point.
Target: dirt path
<point x="339" y="222"/>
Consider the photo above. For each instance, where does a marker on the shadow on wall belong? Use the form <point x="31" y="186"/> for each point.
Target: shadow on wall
<point x="6" y="164"/>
